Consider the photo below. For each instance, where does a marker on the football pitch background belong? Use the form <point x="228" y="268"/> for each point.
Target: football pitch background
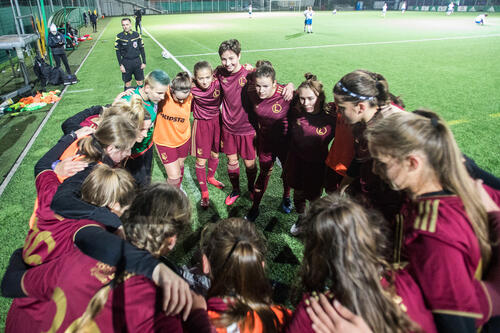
<point x="445" y="63"/>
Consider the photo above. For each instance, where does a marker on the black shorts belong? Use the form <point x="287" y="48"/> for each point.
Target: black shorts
<point x="132" y="67"/>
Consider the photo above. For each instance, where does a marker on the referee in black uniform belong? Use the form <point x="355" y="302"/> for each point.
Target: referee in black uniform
<point x="129" y="51"/>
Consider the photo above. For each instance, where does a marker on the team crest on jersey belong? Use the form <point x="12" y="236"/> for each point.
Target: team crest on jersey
<point x="224" y="80"/>
<point x="199" y="151"/>
<point x="164" y="157"/>
<point x="216" y="93"/>
<point x="277" y="108"/>
<point x="103" y="272"/>
<point x="134" y="44"/>
<point x="242" y="81"/>
<point x="321" y="131"/>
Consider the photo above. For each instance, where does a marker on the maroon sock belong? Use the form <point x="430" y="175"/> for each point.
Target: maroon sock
<point x="233" y="171"/>
<point x="201" y="175"/>
<point x="286" y="187"/>
<point x="182" y="173"/>
<point x="251" y="175"/>
<point x="261" y="183"/>
<point x="174" y="182"/>
<point x="212" y="166"/>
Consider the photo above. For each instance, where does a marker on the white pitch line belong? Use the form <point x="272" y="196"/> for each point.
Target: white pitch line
<point x="79" y="91"/>
<point x="40" y="127"/>
<point x="348" y="44"/>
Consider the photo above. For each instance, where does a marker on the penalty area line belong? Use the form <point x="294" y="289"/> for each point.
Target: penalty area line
<point x="40" y="127"/>
<point x="349" y="44"/>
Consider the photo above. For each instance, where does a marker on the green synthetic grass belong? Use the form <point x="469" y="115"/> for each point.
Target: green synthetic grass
<point x="431" y="60"/>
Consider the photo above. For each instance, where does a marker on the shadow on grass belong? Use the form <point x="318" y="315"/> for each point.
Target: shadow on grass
<point x="14" y="133"/>
<point x="297" y="35"/>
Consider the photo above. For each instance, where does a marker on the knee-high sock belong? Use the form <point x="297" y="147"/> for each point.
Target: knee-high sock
<point x="299" y="200"/>
<point x="261" y="184"/>
<point x="251" y="175"/>
<point x="233" y="171"/>
<point x="174" y="182"/>
<point x="212" y="166"/>
<point x="286" y="187"/>
<point x="201" y="175"/>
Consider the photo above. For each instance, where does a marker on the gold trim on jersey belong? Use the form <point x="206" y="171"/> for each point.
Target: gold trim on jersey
<point x="427" y="216"/>
<point x="103" y="272"/>
<point x="398" y="241"/>
<point x="459" y="313"/>
<point x="61" y="306"/>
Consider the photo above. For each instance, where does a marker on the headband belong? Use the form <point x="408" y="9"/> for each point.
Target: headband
<point x="350" y="93"/>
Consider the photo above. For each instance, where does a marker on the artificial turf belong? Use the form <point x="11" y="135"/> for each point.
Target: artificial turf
<point x="445" y="63"/>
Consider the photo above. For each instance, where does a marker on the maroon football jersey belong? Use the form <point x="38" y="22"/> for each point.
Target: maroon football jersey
<point x="206" y="103"/>
<point x="65" y="286"/>
<point x="310" y="134"/>
<point x="444" y="255"/>
<point x="51" y="234"/>
<point x="234" y="116"/>
<point x="272" y="114"/>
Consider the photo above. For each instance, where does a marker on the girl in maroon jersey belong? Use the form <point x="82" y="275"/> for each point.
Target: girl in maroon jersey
<point x="271" y="111"/>
<point x="206" y="127"/>
<point x="344" y="253"/>
<point x="311" y="128"/>
<point x="445" y="231"/>
<point x="233" y="253"/>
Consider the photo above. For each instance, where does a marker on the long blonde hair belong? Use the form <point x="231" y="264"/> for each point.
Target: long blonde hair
<point x="114" y="130"/>
<point x="345" y="250"/>
<point x="402" y="133"/>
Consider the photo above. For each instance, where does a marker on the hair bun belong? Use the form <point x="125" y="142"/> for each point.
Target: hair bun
<point x="310" y="76"/>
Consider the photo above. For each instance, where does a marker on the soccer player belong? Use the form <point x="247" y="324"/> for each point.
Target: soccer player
<point x="271" y="111"/>
<point x="311" y="128"/>
<point x="129" y="48"/>
<point x="308" y="14"/>
<point x="363" y="98"/>
<point x="451" y="8"/>
<point x="206" y="103"/>
<point x="384" y="9"/>
<point x="403" y="7"/>
<point x="172" y="135"/>
<point x="480" y="19"/>
<point x="156" y="217"/>
<point x="445" y="231"/>
<point x="250" y="10"/>
<point x="141" y="158"/>
<point x="388" y="299"/>
<point x="237" y="132"/>
<point x="239" y="298"/>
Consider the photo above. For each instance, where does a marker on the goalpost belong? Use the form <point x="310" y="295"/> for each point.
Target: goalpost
<point x="285" y="5"/>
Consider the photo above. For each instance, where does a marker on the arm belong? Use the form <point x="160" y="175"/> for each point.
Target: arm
<point x="73" y="123"/>
<point x="118" y="53"/>
<point x="45" y="163"/>
<point x="112" y="250"/>
<point x="11" y="281"/>
<point x="67" y="202"/>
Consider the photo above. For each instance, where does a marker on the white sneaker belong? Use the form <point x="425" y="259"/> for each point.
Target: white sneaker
<point x="294" y="230"/>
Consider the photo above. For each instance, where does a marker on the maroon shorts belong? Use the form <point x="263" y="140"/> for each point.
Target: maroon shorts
<point x="304" y="175"/>
<point x="268" y="149"/>
<point x="206" y="134"/>
<point x="170" y="155"/>
<point x="238" y="144"/>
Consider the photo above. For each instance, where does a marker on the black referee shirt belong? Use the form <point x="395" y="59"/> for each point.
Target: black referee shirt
<point x="129" y="45"/>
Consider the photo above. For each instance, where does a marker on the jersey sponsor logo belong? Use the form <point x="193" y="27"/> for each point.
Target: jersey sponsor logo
<point x="103" y="272"/>
<point x="216" y="93"/>
<point x="173" y="119"/>
<point x="134" y="44"/>
<point x="277" y="108"/>
<point x="321" y="131"/>
<point x="242" y="81"/>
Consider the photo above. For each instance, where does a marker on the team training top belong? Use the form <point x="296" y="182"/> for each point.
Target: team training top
<point x="129" y="45"/>
<point x="173" y="128"/>
<point x="206" y="103"/>
<point x="140" y="148"/>
<point x="272" y="114"/>
<point x="444" y="254"/>
<point x="234" y="116"/>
